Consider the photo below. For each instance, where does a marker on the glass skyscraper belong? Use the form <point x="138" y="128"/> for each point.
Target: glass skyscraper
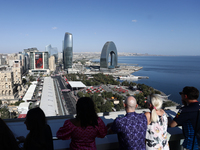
<point x="53" y="51"/>
<point x="67" y="50"/>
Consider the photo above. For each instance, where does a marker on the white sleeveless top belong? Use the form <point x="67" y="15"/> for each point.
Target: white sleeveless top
<point x="156" y="135"/>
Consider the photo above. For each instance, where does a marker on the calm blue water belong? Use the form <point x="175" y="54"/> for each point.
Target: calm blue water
<point x="168" y="74"/>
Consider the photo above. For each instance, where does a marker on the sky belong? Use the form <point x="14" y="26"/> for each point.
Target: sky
<point x="162" y="27"/>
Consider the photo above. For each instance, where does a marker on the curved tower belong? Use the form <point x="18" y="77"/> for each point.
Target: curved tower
<point x="67" y="50"/>
<point x="109" y="48"/>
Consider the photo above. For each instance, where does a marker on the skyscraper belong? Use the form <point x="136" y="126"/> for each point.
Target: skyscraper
<point x="53" y="51"/>
<point x="67" y="50"/>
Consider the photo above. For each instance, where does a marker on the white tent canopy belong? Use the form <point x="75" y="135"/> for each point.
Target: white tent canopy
<point x="76" y="84"/>
<point x="29" y="93"/>
<point x="48" y="100"/>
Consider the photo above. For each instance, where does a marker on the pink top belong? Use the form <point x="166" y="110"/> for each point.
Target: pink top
<point x="82" y="138"/>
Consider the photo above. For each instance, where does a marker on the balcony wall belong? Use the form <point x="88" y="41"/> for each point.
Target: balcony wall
<point x="110" y="142"/>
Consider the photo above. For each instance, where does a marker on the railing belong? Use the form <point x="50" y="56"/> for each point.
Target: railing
<point x="110" y="142"/>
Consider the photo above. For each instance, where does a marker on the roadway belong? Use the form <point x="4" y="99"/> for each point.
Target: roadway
<point x="69" y="101"/>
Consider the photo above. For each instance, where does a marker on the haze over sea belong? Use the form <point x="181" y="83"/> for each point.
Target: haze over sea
<point x="168" y="74"/>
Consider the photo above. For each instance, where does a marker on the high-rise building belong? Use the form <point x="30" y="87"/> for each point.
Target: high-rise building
<point x="52" y="65"/>
<point x="67" y="50"/>
<point x="6" y="84"/>
<point x="53" y="51"/>
<point x="39" y="62"/>
<point x="17" y="72"/>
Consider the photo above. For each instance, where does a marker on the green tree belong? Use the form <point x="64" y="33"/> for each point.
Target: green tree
<point x="80" y="94"/>
<point x="117" y="107"/>
<point x="31" y="78"/>
<point x="109" y="94"/>
<point x="5" y="114"/>
<point x="87" y="95"/>
<point x="107" y="107"/>
<point x="17" y="103"/>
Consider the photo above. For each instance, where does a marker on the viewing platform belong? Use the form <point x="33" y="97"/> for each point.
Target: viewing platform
<point x="110" y="142"/>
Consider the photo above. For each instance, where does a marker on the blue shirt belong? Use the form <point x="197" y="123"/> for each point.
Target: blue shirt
<point x="186" y="117"/>
<point x="131" y="130"/>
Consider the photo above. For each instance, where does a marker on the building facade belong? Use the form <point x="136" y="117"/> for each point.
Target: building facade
<point x="6" y="84"/>
<point x="109" y="49"/>
<point x="39" y="62"/>
<point x="17" y="72"/>
<point x="52" y="51"/>
<point x="68" y="51"/>
<point x="52" y="65"/>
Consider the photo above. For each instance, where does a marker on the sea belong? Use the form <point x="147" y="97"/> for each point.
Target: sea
<point x="168" y="74"/>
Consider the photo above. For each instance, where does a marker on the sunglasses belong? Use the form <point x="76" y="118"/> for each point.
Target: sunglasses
<point x="181" y="93"/>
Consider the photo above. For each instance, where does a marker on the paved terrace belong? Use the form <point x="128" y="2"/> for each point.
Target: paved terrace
<point x="110" y="142"/>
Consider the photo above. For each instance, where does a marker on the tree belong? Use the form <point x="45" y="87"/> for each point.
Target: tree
<point x="80" y="94"/>
<point x="109" y="94"/>
<point x="17" y="103"/>
<point x="5" y="114"/>
<point x="117" y="107"/>
<point x="31" y="78"/>
<point x="24" y="81"/>
<point x="107" y="107"/>
<point x="87" y="95"/>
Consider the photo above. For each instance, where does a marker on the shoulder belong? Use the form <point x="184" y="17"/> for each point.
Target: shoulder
<point x="148" y="115"/>
<point x="68" y="123"/>
<point x="99" y="120"/>
<point x="162" y="112"/>
<point x="143" y="116"/>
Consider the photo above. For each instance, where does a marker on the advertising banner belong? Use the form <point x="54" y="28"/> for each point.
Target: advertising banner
<point x="38" y="61"/>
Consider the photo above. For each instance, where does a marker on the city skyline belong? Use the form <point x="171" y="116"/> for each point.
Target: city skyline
<point x="153" y="27"/>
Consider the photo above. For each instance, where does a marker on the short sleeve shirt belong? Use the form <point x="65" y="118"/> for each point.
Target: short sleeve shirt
<point x="82" y="138"/>
<point x="131" y="130"/>
<point x="186" y="117"/>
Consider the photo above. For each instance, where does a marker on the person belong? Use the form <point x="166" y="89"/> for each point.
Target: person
<point x="83" y="129"/>
<point x="187" y="116"/>
<point x="156" y="134"/>
<point x="40" y="135"/>
<point x="131" y="129"/>
<point x="7" y="139"/>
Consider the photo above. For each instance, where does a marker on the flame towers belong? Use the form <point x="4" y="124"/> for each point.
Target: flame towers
<point x="67" y="50"/>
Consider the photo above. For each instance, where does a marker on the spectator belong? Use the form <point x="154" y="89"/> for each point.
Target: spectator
<point x="187" y="117"/>
<point x="7" y="139"/>
<point x="131" y="128"/>
<point x="83" y="129"/>
<point x="156" y="135"/>
<point x="40" y="135"/>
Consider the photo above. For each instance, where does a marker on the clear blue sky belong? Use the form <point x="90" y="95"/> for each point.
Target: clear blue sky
<point x="168" y="27"/>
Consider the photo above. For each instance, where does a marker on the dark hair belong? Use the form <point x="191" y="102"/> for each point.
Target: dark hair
<point x="7" y="139"/>
<point x="191" y="92"/>
<point x="35" y="119"/>
<point x="36" y="123"/>
<point x="86" y="112"/>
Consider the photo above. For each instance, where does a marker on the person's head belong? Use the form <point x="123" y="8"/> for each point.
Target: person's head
<point x="156" y="102"/>
<point x="189" y="93"/>
<point x="35" y="119"/>
<point x="86" y="112"/>
<point x="130" y="104"/>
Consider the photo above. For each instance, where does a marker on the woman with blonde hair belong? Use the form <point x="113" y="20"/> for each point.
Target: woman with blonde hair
<point x="156" y="135"/>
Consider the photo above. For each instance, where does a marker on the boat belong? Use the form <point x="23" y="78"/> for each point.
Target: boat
<point x="129" y="77"/>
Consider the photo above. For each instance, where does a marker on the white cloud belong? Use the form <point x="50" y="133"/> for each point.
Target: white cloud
<point x="54" y="28"/>
<point x="134" y="20"/>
